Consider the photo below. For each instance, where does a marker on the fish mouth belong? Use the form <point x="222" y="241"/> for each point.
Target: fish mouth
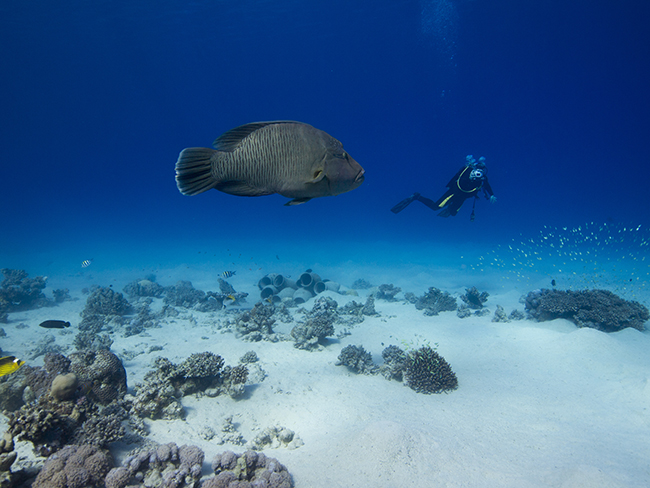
<point x="360" y="177"/>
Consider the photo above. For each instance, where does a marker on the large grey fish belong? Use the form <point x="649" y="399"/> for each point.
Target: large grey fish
<point x="291" y="158"/>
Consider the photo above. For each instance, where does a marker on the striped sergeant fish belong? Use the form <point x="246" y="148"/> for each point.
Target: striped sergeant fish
<point x="228" y="274"/>
<point x="86" y="263"/>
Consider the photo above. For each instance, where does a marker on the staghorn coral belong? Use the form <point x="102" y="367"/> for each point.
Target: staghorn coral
<point x="357" y="359"/>
<point x="428" y="372"/>
<point x="247" y="470"/>
<point x="598" y="309"/>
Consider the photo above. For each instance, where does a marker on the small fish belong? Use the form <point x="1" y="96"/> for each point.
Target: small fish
<point x="86" y="263"/>
<point x="232" y="297"/>
<point x="9" y="364"/>
<point x="228" y="274"/>
<point x="54" y="324"/>
<point x="553" y="283"/>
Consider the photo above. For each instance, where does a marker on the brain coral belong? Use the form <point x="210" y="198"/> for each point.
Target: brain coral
<point x="102" y="371"/>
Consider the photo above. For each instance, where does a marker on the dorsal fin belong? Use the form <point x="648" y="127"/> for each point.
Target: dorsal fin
<point x="229" y="141"/>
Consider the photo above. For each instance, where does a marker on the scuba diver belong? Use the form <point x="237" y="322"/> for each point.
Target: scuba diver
<point x="465" y="184"/>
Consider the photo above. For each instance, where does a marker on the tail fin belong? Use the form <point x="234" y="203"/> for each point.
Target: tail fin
<point x="194" y="171"/>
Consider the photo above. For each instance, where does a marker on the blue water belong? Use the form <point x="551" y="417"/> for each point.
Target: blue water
<point x="98" y="99"/>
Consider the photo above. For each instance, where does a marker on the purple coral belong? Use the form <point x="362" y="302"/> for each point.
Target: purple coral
<point x="248" y="470"/>
<point x="74" y="467"/>
<point x="177" y="467"/>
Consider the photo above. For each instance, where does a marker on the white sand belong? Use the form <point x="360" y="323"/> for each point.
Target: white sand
<point x="538" y="404"/>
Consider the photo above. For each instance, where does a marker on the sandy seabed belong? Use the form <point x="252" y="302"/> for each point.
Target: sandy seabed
<point x="538" y="404"/>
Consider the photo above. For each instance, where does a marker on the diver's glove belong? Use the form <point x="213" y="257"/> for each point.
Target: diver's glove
<point x="493" y="199"/>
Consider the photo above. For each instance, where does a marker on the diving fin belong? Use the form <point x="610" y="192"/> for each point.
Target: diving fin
<point x="404" y="203"/>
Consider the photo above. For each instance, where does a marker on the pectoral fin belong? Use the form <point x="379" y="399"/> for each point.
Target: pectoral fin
<point x="318" y="176"/>
<point x="297" y="201"/>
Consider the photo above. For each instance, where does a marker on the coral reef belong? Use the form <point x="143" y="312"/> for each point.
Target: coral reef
<point x="157" y="397"/>
<point x="8" y="455"/>
<point x="183" y="294"/>
<point x="517" y="315"/>
<point x="273" y="438"/>
<point x="249" y="357"/>
<point x="257" y="324"/>
<point x="464" y="311"/>
<point x="75" y="466"/>
<point x="358" y="311"/>
<point x="18" y="292"/>
<point x="473" y="298"/>
<point x="165" y="466"/>
<point x="144" y="288"/>
<point x="47" y="423"/>
<point x="63" y="387"/>
<point x="247" y="470"/>
<point x="387" y="292"/>
<point x="30" y="382"/>
<point x="428" y="372"/>
<point x="434" y="301"/>
<point x="500" y="315"/>
<point x="44" y="346"/>
<point x="394" y="363"/>
<point x="360" y="284"/>
<point x="104" y="301"/>
<point x="357" y="359"/>
<point x="319" y="324"/>
<point x="598" y="309"/>
<point x="61" y="295"/>
<point x="103" y="373"/>
<point x="91" y="341"/>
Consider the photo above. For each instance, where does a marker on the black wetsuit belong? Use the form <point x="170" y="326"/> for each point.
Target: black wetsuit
<point x="459" y="188"/>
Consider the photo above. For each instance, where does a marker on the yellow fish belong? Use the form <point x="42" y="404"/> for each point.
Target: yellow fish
<point x="9" y="364"/>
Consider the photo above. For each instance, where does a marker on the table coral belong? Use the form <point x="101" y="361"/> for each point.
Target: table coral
<point x="598" y="309"/>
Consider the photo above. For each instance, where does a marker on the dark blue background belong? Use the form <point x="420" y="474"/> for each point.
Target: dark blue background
<point x="98" y="98"/>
